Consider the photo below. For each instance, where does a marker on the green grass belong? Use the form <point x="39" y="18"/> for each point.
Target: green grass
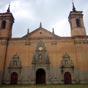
<point x="46" y="86"/>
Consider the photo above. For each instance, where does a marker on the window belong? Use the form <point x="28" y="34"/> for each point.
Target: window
<point x="3" y="25"/>
<point x="40" y="32"/>
<point x="78" y="23"/>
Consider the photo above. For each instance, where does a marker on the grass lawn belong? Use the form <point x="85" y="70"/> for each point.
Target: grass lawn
<point x="46" y="86"/>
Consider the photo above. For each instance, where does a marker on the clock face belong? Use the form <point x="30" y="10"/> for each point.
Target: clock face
<point x="40" y="48"/>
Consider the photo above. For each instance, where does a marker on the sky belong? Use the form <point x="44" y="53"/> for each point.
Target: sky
<point x="52" y="13"/>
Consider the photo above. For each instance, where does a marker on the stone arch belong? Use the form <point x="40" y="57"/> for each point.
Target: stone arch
<point x="40" y="76"/>
<point x="14" y="78"/>
<point x="67" y="78"/>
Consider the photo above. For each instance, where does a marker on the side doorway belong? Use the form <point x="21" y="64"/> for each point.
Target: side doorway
<point x="67" y="78"/>
<point x="14" y="78"/>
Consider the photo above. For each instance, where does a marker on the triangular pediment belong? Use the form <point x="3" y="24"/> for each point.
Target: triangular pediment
<point x="40" y="33"/>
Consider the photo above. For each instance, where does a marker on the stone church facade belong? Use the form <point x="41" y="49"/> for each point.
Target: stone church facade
<point x="41" y="56"/>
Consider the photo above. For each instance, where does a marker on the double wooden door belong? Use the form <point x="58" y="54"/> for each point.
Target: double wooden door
<point x="40" y="77"/>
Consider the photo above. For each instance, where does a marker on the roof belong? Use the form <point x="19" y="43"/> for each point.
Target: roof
<point x="40" y="33"/>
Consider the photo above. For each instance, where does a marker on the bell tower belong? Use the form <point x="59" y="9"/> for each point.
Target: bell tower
<point x="76" y="22"/>
<point x="6" y="23"/>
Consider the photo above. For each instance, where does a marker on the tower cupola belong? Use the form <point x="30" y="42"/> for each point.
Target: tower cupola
<point x="6" y="23"/>
<point x="76" y="22"/>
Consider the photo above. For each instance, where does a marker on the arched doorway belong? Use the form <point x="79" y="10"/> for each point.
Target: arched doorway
<point x="67" y="78"/>
<point x="40" y="76"/>
<point x="14" y="78"/>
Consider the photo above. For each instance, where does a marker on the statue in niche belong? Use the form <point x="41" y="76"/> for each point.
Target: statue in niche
<point x="66" y="62"/>
<point x="40" y="58"/>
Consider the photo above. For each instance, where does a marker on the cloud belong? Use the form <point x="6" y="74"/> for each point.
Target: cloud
<point x="52" y="13"/>
<point x="62" y="28"/>
<point x="21" y="10"/>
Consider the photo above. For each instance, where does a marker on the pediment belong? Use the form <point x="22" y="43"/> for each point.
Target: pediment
<point x="66" y="61"/>
<point x="40" y="33"/>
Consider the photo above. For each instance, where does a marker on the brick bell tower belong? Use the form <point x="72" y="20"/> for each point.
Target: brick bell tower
<point x="76" y="22"/>
<point x="6" y="23"/>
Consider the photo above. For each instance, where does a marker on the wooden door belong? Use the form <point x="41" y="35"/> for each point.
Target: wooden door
<point x="40" y="76"/>
<point x="67" y="78"/>
<point x="14" y="78"/>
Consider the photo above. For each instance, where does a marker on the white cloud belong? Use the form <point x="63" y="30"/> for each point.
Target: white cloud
<point x="29" y="13"/>
<point x="62" y="28"/>
<point x="21" y="10"/>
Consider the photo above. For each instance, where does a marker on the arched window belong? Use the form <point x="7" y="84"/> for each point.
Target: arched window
<point x="78" y="23"/>
<point x="3" y="25"/>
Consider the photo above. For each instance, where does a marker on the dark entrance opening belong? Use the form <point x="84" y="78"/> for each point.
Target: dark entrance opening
<point x="67" y="78"/>
<point x="40" y="76"/>
<point x="14" y="78"/>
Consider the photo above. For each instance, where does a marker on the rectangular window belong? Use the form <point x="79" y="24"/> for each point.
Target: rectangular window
<point x="3" y="25"/>
<point x="78" y="23"/>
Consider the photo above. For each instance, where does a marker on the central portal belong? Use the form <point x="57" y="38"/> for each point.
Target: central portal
<point x="40" y="76"/>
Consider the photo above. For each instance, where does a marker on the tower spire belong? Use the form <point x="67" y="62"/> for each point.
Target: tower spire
<point x="40" y="25"/>
<point x="8" y="10"/>
<point x="53" y="30"/>
<point x="73" y="9"/>
<point x="76" y="22"/>
<point x="28" y="31"/>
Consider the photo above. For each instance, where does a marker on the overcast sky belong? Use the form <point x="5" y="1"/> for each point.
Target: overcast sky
<point x="52" y="14"/>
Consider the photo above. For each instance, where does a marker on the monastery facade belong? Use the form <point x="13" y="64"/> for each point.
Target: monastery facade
<point x="41" y="56"/>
